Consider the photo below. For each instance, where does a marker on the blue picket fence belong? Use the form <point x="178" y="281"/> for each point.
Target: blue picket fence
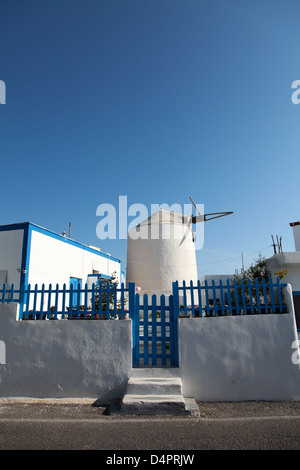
<point x="154" y="325"/>
<point x="53" y="303"/>
<point x="217" y="299"/>
<point x="231" y="298"/>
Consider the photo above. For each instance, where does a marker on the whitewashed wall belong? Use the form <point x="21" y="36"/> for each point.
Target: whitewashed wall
<point x="11" y="244"/>
<point x="55" y="261"/>
<point x="240" y="358"/>
<point x="64" y="359"/>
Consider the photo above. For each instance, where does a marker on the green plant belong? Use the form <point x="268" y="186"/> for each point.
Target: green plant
<point x="106" y="300"/>
<point x="257" y="270"/>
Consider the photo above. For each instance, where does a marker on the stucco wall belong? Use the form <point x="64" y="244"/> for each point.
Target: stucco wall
<point x="66" y="358"/>
<point x="11" y="244"/>
<point x="240" y="358"/>
<point x="53" y="261"/>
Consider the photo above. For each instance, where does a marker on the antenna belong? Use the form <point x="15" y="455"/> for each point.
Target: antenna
<point x="277" y="245"/>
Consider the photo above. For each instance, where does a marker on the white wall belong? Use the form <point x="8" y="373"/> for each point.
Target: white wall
<point x="240" y="358"/>
<point x="11" y="244"/>
<point x="55" y="261"/>
<point x="296" y="233"/>
<point x="59" y="359"/>
<point x="289" y="261"/>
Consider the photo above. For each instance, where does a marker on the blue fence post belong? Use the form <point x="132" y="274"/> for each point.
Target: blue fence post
<point x="199" y="297"/>
<point x="135" y="316"/>
<point x="173" y="332"/>
<point x="163" y="329"/>
<point x="243" y="296"/>
<point x="229" y="297"/>
<point x="207" y="298"/>
<point x="21" y="301"/>
<point x="146" y="329"/>
<point x="215" y="308"/>
<point x="250" y="296"/>
<point x="222" y="298"/>
<point x="175" y="291"/>
<point x="131" y="300"/>
<point x="154" y="340"/>
<point x="63" y="307"/>
<point x="272" y="295"/>
<point x="192" y="299"/>
<point x="257" y="295"/>
<point x="4" y="292"/>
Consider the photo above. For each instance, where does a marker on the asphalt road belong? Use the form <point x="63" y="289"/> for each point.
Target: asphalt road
<point x="81" y="426"/>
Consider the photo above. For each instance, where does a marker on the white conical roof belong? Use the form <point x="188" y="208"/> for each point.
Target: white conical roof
<point x="163" y="216"/>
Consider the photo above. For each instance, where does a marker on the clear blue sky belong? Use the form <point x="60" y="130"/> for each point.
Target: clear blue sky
<point x="155" y="100"/>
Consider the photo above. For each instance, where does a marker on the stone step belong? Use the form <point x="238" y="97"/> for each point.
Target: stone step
<point x="155" y="391"/>
<point x="153" y="404"/>
<point x="154" y="386"/>
<point x="154" y="372"/>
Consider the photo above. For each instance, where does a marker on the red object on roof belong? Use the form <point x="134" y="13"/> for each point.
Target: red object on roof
<point x="292" y="224"/>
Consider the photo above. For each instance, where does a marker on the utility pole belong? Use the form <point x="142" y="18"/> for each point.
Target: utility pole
<point x="243" y="267"/>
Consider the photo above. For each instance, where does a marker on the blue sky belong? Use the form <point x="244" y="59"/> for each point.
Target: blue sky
<point x="155" y="100"/>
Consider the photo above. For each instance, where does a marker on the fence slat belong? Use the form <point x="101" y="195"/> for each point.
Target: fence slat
<point x="4" y="292"/>
<point x="146" y="331"/>
<point x="154" y="324"/>
<point x="163" y="330"/>
<point x="207" y="298"/>
<point x="215" y="308"/>
<point x="199" y="297"/>
<point x="229" y="297"/>
<point x="222" y="298"/>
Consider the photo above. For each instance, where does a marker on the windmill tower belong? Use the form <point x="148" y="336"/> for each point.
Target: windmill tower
<point x="161" y="250"/>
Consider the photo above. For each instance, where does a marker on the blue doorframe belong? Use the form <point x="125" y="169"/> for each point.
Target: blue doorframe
<point x="76" y="283"/>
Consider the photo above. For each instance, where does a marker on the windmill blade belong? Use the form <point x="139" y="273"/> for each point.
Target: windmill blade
<point x="216" y="215"/>
<point x="195" y="205"/>
<point x="189" y="227"/>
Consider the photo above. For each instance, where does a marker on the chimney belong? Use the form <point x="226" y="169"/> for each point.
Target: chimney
<point x="296" y="230"/>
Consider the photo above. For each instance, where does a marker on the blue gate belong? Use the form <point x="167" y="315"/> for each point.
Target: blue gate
<point x="154" y="332"/>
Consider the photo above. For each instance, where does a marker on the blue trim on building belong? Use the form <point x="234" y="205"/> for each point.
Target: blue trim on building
<point x="29" y="226"/>
<point x="105" y="276"/>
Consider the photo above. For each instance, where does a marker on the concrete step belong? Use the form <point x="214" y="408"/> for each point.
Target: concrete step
<point x="154" y="386"/>
<point x="154" y="372"/>
<point x="153" y="404"/>
<point x="155" y="391"/>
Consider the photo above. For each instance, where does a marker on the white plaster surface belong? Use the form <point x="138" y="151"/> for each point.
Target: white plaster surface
<point x="239" y="358"/>
<point x="64" y="358"/>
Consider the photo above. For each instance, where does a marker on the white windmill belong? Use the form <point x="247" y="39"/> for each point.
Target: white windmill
<point x="161" y="250"/>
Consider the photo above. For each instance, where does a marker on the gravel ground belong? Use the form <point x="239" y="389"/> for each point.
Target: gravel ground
<point x="35" y="409"/>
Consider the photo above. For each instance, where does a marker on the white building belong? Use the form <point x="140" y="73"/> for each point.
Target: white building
<point x="30" y="254"/>
<point x="290" y="261"/>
